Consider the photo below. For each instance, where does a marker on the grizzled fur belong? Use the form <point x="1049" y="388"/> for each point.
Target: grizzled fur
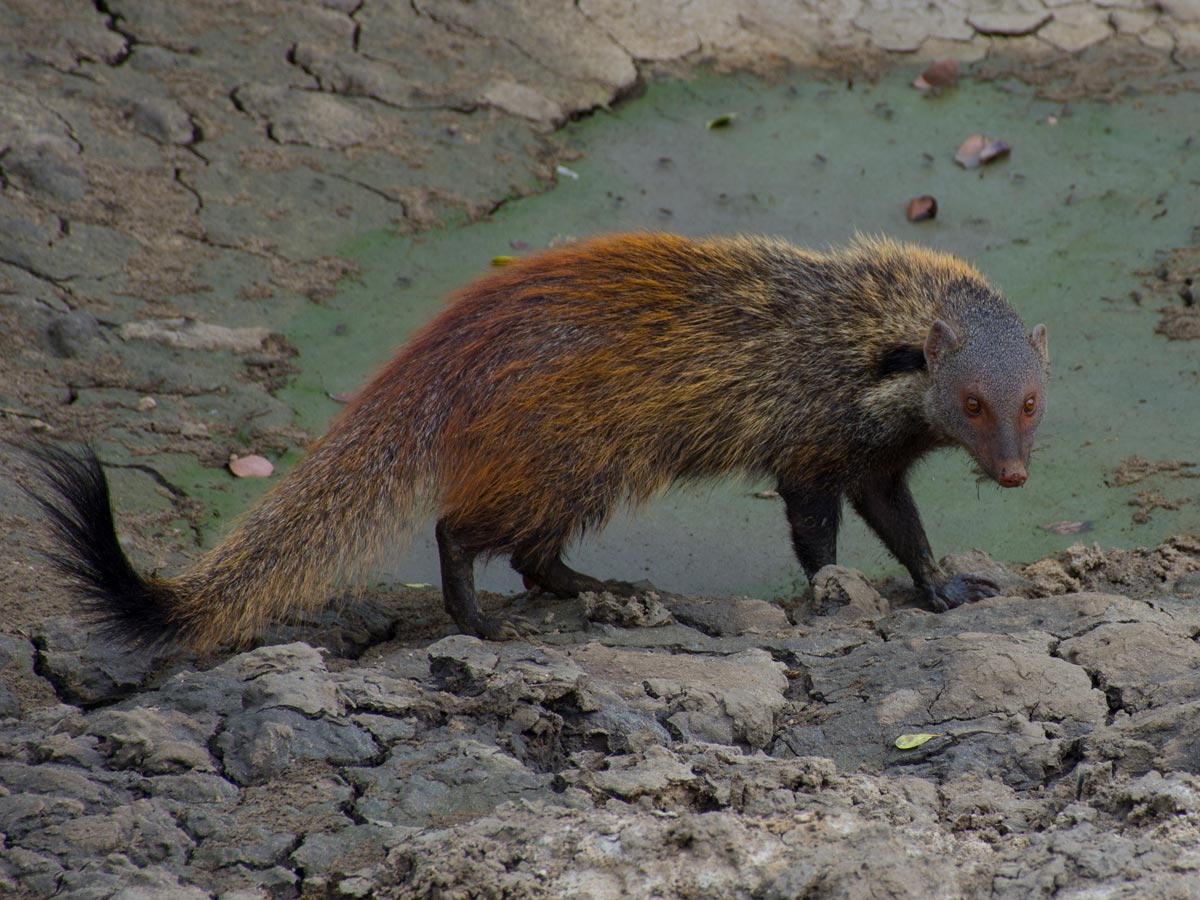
<point x="580" y="379"/>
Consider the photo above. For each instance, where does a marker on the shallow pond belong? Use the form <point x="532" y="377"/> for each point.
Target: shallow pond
<point x="1081" y="214"/>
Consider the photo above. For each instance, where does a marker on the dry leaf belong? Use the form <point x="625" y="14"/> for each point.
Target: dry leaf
<point x="942" y="73"/>
<point x="913" y="741"/>
<point x="250" y="466"/>
<point x="922" y="208"/>
<point x="979" y="149"/>
<point x="994" y="150"/>
<point x="969" y="150"/>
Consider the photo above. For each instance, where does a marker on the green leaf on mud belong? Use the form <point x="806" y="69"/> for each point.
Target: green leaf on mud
<point x="913" y="741"/>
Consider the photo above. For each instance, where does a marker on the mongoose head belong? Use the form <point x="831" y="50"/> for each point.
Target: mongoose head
<point x="987" y="390"/>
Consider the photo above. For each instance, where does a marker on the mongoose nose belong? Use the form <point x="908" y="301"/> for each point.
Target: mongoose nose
<point x="1014" y="477"/>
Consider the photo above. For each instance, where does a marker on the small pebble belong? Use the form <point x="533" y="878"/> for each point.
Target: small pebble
<point x="69" y="335"/>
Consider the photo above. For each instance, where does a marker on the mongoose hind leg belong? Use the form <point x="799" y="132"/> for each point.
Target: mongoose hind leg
<point x="556" y="577"/>
<point x="458" y="589"/>
<point x="814" y="517"/>
<point x="887" y="505"/>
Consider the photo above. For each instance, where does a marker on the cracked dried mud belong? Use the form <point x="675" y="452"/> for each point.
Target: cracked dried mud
<point x="190" y="196"/>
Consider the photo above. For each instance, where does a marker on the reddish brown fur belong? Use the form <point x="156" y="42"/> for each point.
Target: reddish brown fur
<point x="552" y="390"/>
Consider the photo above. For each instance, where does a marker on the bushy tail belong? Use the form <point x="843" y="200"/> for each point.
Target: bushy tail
<point x="76" y="501"/>
<point x="323" y="522"/>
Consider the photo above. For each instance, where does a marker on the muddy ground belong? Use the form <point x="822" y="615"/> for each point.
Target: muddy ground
<point x="163" y="165"/>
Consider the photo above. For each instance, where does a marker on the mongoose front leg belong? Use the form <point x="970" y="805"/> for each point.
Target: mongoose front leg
<point x="814" y="518"/>
<point x="887" y="505"/>
<point x="458" y="588"/>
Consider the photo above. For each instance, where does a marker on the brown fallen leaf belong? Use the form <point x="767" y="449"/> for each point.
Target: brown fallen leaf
<point x="922" y="208"/>
<point x="968" y="151"/>
<point x="250" y="466"/>
<point x="994" y="150"/>
<point x="942" y="73"/>
<point x="980" y="149"/>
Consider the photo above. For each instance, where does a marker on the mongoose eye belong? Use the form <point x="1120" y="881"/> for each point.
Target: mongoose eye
<point x="1030" y="405"/>
<point x="972" y="406"/>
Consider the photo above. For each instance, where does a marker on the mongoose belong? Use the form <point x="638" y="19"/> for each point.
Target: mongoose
<point x="597" y="374"/>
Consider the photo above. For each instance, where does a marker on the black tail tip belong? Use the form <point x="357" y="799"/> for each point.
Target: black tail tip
<point x="73" y="493"/>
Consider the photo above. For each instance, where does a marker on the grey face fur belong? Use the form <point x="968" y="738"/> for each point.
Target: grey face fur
<point x="987" y="390"/>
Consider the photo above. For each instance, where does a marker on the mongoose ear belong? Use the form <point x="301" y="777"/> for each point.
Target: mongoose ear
<point x="940" y="341"/>
<point x="1038" y="339"/>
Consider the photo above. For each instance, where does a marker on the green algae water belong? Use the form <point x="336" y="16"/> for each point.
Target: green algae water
<point x="1069" y="224"/>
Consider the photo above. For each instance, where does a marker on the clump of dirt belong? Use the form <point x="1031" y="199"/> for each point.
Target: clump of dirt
<point x="1137" y="468"/>
<point x="1102" y="72"/>
<point x="1148" y="501"/>
<point x="1137" y="573"/>
<point x="1179" y="323"/>
<point x="1175" y="279"/>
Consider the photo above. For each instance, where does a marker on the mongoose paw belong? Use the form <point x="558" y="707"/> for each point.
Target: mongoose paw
<point x="514" y="628"/>
<point x="961" y="589"/>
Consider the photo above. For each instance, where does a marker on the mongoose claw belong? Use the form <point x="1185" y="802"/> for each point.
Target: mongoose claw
<point x="961" y="589"/>
<point x="519" y="628"/>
